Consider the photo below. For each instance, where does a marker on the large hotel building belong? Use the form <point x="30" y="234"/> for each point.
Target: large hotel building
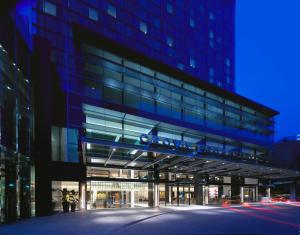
<point x="129" y="104"/>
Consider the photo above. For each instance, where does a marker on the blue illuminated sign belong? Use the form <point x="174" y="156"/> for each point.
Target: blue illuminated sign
<point x="169" y="143"/>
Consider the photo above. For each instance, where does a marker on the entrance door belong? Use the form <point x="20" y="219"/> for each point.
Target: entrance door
<point x="249" y="194"/>
<point x="182" y="194"/>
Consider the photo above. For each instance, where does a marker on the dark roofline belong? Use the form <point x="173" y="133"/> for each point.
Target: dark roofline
<point x="101" y="41"/>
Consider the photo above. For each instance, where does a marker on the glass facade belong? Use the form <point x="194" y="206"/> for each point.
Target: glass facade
<point x="15" y="141"/>
<point x="118" y="80"/>
<point x="120" y="21"/>
<point x="64" y="144"/>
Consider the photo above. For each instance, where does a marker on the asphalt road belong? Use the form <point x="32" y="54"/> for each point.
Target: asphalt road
<point x="251" y="219"/>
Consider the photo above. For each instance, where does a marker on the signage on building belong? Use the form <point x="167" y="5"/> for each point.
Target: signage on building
<point x="170" y="143"/>
<point x="179" y="145"/>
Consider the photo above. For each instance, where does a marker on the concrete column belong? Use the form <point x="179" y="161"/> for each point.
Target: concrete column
<point x="82" y="196"/>
<point x="198" y="194"/>
<point x="293" y="192"/>
<point x="156" y="195"/>
<point x="170" y="189"/>
<point x="177" y="194"/>
<point x="150" y="194"/>
<point x="132" y="191"/>
<point x="268" y="192"/>
<point x="242" y="194"/>
<point x="132" y="199"/>
<point x="256" y="193"/>
<point x="205" y="194"/>
<point x="170" y="195"/>
<point x="189" y="194"/>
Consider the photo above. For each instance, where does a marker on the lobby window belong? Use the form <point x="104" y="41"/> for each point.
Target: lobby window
<point x="192" y="22"/>
<point x="143" y="27"/>
<point x="93" y="14"/>
<point x="169" y="7"/>
<point x="49" y="8"/>
<point x="170" y="41"/>
<point x="219" y="84"/>
<point x="112" y="11"/>
<point x="192" y="62"/>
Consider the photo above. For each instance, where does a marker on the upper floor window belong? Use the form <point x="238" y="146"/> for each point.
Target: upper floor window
<point x="49" y="8"/>
<point x="143" y="27"/>
<point x="211" y="16"/>
<point x="112" y="11"/>
<point x="157" y="22"/>
<point x="211" y="72"/>
<point x="93" y="14"/>
<point x="180" y="66"/>
<point x="192" y="22"/>
<point x="169" y="8"/>
<point x="228" y="79"/>
<point x="192" y="62"/>
<point x="170" y="41"/>
<point x="211" y="34"/>
<point x="228" y="62"/>
<point x="192" y="13"/>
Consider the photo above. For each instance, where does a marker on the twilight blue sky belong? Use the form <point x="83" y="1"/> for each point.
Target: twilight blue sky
<point x="268" y="58"/>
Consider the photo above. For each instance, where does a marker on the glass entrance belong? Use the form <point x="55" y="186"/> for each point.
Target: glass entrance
<point x="105" y="194"/>
<point x="249" y="194"/>
<point x="183" y="194"/>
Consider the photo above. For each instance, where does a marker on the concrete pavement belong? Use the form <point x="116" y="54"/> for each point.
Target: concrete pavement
<point x="269" y="218"/>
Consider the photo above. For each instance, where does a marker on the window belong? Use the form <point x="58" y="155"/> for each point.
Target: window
<point x="192" y="13"/>
<point x="111" y="10"/>
<point x="169" y="8"/>
<point x="170" y="41"/>
<point x="211" y="16"/>
<point x="228" y="62"/>
<point x="50" y="8"/>
<point x="143" y="27"/>
<point x="157" y="22"/>
<point x="93" y="14"/>
<point x="192" y="22"/>
<point x="219" y="83"/>
<point x="180" y="66"/>
<point x="211" y="72"/>
<point x="64" y="144"/>
<point x="228" y="79"/>
<point x="211" y="34"/>
<point x="192" y="62"/>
